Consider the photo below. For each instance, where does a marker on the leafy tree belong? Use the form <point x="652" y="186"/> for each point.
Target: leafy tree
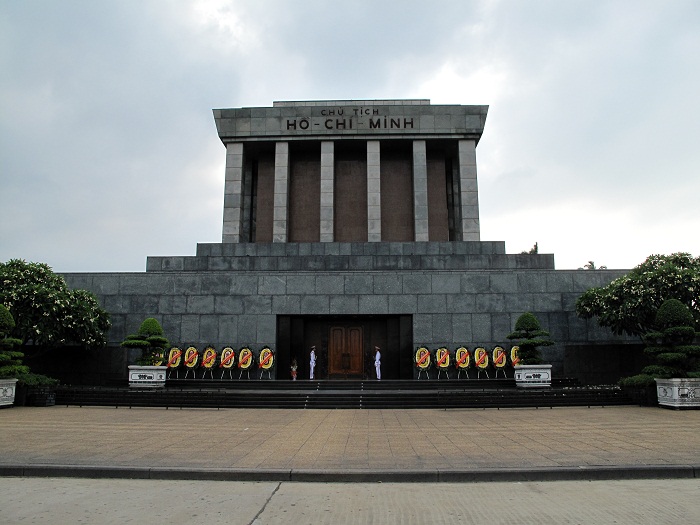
<point x="149" y="339"/>
<point x="628" y="304"/>
<point x="46" y="311"/>
<point x="530" y="337"/>
<point x="10" y="359"/>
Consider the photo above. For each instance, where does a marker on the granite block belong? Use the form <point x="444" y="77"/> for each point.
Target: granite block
<point x="244" y="285"/>
<point x="228" y="304"/>
<point x="358" y="284"/>
<point x="374" y="304"/>
<point x="434" y="304"/>
<point x="147" y="305"/>
<point x="481" y="329"/>
<point x="272" y="285"/>
<point x="329" y="284"/>
<point x="315" y="304"/>
<point x="301" y="284"/>
<point x="387" y="283"/>
<point x="172" y="304"/>
<point x="200" y="304"/>
<point x="215" y="284"/>
<point x="344" y="305"/>
<point x="257" y="304"/>
<point x="447" y="283"/>
<point x="402" y="304"/>
<point x="417" y="283"/>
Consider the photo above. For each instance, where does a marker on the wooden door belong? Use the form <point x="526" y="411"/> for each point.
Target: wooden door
<point x="345" y="351"/>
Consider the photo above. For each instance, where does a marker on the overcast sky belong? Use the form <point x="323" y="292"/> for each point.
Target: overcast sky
<point x="109" y="152"/>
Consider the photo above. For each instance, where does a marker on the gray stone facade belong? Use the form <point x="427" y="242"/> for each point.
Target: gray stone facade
<point x="460" y="293"/>
<point x="421" y="291"/>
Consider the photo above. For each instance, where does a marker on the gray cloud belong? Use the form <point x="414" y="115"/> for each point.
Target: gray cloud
<point x="108" y="151"/>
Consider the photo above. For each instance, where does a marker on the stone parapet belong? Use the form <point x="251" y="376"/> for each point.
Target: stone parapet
<point x="351" y="257"/>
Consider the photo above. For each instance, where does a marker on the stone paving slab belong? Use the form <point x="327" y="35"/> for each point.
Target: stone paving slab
<point x="347" y="445"/>
<point x="119" y="501"/>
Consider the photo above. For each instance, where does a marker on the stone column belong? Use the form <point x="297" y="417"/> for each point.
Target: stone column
<point x="468" y="193"/>
<point x="233" y="193"/>
<point x="280" y="213"/>
<point x="374" y="200"/>
<point x="327" y="162"/>
<point x="420" y="191"/>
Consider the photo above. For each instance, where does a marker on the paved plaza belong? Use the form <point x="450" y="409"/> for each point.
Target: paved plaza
<point x="351" y="445"/>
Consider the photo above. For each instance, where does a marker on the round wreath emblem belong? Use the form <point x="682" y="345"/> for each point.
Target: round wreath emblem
<point x="174" y="357"/>
<point x="499" y="357"/>
<point x="191" y="357"/>
<point x="422" y="358"/>
<point x="209" y="357"/>
<point x="462" y="358"/>
<point x="159" y="358"/>
<point x="514" y="359"/>
<point x="245" y="358"/>
<point x="266" y="358"/>
<point x="481" y="358"/>
<point x="442" y="357"/>
<point x="228" y="357"/>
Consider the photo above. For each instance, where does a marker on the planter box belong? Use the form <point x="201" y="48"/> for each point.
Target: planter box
<point x="678" y="392"/>
<point x="530" y="376"/>
<point x="7" y="392"/>
<point x="147" y="376"/>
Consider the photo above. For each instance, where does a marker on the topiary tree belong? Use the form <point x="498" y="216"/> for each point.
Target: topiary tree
<point x="530" y="337"/>
<point x="10" y="359"/>
<point x="670" y="347"/>
<point x="150" y="339"/>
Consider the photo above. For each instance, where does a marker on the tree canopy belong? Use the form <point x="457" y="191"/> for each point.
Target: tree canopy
<point x="628" y="305"/>
<point x="530" y="336"/>
<point x="46" y="312"/>
<point x="151" y="340"/>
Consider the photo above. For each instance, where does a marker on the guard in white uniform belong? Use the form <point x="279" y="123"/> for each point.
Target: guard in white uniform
<point x="378" y="362"/>
<point x="312" y="362"/>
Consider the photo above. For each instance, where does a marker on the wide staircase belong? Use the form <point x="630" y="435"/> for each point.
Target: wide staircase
<point x="484" y="393"/>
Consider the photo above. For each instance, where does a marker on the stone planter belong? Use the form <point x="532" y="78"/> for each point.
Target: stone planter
<point x="147" y="376"/>
<point x="7" y="392"/>
<point x="678" y="392"/>
<point x="533" y="376"/>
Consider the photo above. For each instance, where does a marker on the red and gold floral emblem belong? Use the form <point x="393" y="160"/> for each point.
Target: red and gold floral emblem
<point x="442" y="357"/>
<point x="228" y="356"/>
<point x="174" y="357"/>
<point x="462" y="358"/>
<point x="266" y="359"/>
<point x="514" y="359"/>
<point x="499" y="357"/>
<point x="191" y="357"/>
<point x="481" y="358"/>
<point x="422" y="358"/>
<point x="209" y="357"/>
<point x="245" y="358"/>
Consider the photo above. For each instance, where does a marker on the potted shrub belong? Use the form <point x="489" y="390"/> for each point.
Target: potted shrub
<point x="149" y="370"/>
<point x="529" y="335"/>
<point x="10" y="359"/>
<point x="675" y="360"/>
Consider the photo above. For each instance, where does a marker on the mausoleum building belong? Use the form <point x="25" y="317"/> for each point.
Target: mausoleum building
<point x="349" y="225"/>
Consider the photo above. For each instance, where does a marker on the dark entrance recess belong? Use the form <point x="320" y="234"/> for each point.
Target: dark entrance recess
<point x="345" y="345"/>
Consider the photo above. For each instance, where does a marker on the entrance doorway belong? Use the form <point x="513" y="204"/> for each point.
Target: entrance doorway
<point x="345" y="351"/>
<point x="345" y="345"/>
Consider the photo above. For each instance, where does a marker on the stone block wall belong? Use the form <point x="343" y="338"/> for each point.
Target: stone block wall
<point x="453" y="299"/>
